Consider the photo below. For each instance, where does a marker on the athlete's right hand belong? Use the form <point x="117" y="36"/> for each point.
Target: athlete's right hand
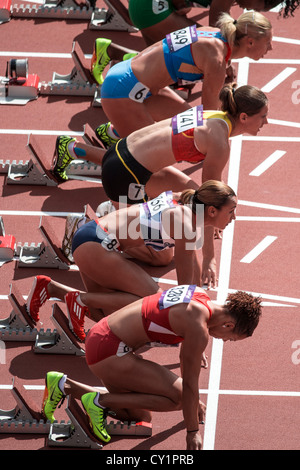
<point x="193" y="441"/>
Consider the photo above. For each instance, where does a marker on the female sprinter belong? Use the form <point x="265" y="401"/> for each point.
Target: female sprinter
<point x="136" y="93"/>
<point x="136" y="386"/>
<point x="141" y="165"/>
<point x="152" y="232"/>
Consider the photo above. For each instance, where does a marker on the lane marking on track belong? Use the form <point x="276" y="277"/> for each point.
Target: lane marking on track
<point x="224" y="277"/>
<point x="278" y="122"/>
<point x="258" y="249"/>
<point x="268" y="219"/>
<point x="261" y="393"/>
<point x="267" y="163"/>
<point x="274" y="298"/>
<point x="280" y="78"/>
<point x="274" y="207"/>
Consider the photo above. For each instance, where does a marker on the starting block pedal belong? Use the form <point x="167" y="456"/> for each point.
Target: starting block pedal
<point x="33" y="172"/>
<point x="24" y="418"/>
<point x="114" y="18"/>
<point x="46" y="254"/>
<point x="19" y="326"/>
<point x="79" y="82"/>
<point x="61" y="341"/>
<point x="78" y="433"/>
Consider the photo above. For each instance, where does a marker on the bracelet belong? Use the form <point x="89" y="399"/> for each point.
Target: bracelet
<point x="196" y="430"/>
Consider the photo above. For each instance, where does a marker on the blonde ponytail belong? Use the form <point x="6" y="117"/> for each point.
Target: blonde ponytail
<point x="250" y="23"/>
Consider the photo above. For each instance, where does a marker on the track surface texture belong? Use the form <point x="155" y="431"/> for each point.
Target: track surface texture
<point x="252" y="387"/>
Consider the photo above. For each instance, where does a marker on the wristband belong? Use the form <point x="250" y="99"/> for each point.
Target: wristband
<point x="195" y="430"/>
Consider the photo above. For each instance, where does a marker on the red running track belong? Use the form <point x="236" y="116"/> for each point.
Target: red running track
<point x="251" y="388"/>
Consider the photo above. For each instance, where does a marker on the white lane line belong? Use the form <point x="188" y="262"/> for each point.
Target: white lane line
<point x="248" y="138"/>
<point x="268" y="219"/>
<point x="41" y="55"/>
<point x="278" y="122"/>
<point x="224" y="276"/>
<point x="280" y="78"/>
<point x="273" y="207"/>
<point x="270" y="297"/>
<point x="259" y="393"/>
<point x="267" y="163"/>
<point x="258" y="249"/>
<point x="40" y="132"/>
<point x="40" y="213"/>
<point x="286" y="40"/>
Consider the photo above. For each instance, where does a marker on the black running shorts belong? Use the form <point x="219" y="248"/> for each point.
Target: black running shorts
<point x="123" y="176"/>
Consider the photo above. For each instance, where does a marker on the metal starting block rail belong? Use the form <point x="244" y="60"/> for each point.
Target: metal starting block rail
<point x="114" y="18"/>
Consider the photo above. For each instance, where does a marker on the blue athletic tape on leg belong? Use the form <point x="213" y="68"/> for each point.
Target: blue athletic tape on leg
<point x="79" y="152"/>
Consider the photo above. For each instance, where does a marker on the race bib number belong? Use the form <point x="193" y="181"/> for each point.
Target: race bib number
<point x="159" y="6"/>
<point x="136" y="192"/>
<point x="181" y="38"/>
<point x="139" y="92"/>
<point x="176" y="295"/>
<point x="159" y="204"/>
<point x="123" y="349"/>
<point x="188" y="120"/>
<point x="109" y="242"/>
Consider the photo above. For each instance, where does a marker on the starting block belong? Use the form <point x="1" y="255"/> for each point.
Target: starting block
<point x="78" y="433"/>
<point x="61" y="341"/>
<point x="24" y="418"/>
<point x="114" y="18"/>
<point x="51" y="252"/>
<point x="19" y="326"/>
<point x="36" y="170"/>
<point x="18" y="87"/>
<point x="46" y="254"/>
<point x="7" y="245"/>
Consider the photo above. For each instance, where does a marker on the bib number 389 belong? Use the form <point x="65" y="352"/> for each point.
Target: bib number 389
<point x="176" y="295"/>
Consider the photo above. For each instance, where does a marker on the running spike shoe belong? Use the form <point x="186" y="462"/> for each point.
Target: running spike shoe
<point x="37" y="296"/>
<point x="102" y="135"/>
<point x="76" y="314"/>
<point x="62" y="157"/>
<point x="100" y="58"/>
<point x="53" y="394"/>
<point x="96" y="415"/>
